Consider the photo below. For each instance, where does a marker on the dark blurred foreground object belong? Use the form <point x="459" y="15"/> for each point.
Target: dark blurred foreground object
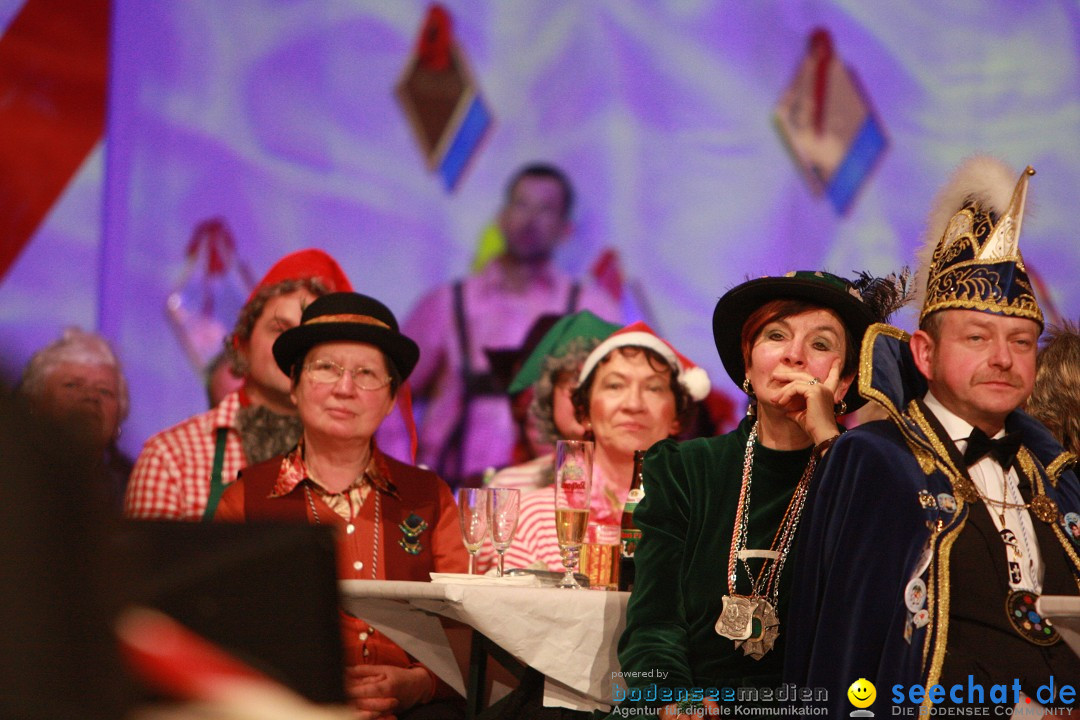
<point x="58" y="655"/>
<point x="265" y="593"/>
<point x="172" y="657"/>
<point x="69" y="566"/>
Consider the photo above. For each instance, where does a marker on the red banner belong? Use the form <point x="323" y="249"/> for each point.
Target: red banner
<point x="53" y="67"/>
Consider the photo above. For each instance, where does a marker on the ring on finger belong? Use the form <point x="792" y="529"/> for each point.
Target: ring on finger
<point x="814" y="381"/>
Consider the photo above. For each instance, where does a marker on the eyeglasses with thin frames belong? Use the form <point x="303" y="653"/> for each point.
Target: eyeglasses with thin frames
<point x="326" y="372"/>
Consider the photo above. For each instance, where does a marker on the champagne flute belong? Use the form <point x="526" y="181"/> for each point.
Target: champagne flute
<point x="503" y="504"/>
<point x="473" y="511"/>
<point x="573" y="484"/>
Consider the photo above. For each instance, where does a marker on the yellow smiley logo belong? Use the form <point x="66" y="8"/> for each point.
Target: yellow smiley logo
<point x="862" y="693"/>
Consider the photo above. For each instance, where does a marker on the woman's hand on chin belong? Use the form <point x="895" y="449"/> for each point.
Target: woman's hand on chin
<point x="808" y="401"/>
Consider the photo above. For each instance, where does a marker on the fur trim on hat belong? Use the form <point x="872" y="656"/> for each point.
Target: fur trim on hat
<point x="696" y="383"/>
<point x="982" y="178"/>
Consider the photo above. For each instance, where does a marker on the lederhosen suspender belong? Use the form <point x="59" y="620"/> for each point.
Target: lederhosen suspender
<point x="572" y="299"/>
<point x="216" y="485"/>
<point x="450" y="464"/>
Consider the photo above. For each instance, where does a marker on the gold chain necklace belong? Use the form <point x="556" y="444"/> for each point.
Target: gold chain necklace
<point x="375" y="533"/>
<point x="739" y="612"/>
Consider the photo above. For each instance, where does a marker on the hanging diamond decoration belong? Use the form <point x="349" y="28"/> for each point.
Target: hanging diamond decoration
<point x="828" y="125"/>
<point x="442" y="100"/>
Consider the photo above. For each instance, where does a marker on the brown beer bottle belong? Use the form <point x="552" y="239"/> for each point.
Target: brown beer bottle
<point x="630" y="534"/>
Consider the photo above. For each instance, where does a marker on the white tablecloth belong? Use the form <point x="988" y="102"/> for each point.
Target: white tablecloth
<point x="568" y="635"/>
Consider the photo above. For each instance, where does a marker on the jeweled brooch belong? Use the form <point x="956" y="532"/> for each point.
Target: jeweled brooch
<point x="411" y="529"/>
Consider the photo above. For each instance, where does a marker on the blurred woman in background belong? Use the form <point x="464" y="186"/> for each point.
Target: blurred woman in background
<point x="633" y="390"/>
<point x="78" y="383"/>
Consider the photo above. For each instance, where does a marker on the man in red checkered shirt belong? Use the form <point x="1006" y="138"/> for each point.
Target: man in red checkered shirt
<point x="182" y="471"/>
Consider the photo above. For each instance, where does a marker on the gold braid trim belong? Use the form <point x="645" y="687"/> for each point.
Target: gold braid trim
<point x="866" y="367"/>
<point x="932" y="455"/>
<point x="938" y="456"/>
<point x="1041" y="506"/>
<point x="1059" y="465"/>
<point x="941" y="638"/>
<point x="931" y="591"/>
<point x="1025" y="311"/>
<point x="916" y="444"/>
<point x="1026" y="462"/>
<point x="1066" y="544"/>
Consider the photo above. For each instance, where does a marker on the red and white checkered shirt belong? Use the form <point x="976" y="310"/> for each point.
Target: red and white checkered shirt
<point x="171" y="478"/>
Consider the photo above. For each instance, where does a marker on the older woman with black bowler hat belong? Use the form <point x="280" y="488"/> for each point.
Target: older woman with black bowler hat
<point x="720" y="515"/>
<point x="347" y="360"/>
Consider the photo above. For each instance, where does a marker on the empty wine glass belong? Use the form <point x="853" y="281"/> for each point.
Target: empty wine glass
<point x="473" y="509"/>
<point x="573" y="483"/>
<point x="503" y="505"/>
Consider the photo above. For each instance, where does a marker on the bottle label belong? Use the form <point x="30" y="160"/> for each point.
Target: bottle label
<point x="629" y="539"/>
<point x="635" y="496"/>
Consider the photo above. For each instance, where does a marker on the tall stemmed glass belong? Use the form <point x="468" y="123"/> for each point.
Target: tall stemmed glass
<point x="573" y="484"/>
<point x="503" y="504"/>
<point x="473" y="509"/>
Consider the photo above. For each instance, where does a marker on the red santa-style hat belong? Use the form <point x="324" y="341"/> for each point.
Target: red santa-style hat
<point x="302" y="265"/>
<point x="693" y="378"/>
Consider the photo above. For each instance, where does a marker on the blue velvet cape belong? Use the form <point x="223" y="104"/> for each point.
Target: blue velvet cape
<point x="874" y="509"/>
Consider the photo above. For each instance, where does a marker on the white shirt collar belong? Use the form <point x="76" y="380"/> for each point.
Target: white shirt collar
<point x="955" y="426"/>
<point x="992" y="482"/>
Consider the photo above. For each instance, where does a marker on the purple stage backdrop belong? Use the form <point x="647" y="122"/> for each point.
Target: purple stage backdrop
<point x="280" y="117"/>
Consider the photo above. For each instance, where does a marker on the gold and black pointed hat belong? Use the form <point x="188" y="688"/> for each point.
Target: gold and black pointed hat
<point x="972" y="253"/>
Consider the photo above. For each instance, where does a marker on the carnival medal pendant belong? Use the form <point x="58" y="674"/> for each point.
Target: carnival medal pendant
<point x="764" y="629"/>
<point x="1020" y="607"/>
<point x="411" y="528"/>
<point x="736" y="618"/>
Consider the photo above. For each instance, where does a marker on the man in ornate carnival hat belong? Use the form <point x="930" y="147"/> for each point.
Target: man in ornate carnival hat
<point x="931" y="535"/>
<point x="182" y="471"/>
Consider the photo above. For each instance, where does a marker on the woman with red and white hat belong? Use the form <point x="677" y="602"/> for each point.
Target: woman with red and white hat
<point x="633" y="391"/>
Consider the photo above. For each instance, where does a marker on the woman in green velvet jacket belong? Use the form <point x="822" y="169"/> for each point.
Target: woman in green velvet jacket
<point x="720" y="515"/>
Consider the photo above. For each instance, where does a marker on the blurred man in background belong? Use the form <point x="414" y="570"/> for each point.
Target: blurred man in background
<point x="467" y="426"/>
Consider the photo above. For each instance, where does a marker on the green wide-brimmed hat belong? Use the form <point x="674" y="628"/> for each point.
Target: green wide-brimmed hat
<point x="579" y="325"/>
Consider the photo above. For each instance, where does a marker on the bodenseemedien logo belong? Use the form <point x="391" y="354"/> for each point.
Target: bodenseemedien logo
<point x="862" y="694"/>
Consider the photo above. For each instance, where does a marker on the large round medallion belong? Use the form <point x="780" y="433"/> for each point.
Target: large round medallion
<point x="1020" y="608"/>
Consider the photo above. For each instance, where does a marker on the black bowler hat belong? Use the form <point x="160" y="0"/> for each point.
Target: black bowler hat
<point x="348" y="317"/>
<point x="820" y="288"/>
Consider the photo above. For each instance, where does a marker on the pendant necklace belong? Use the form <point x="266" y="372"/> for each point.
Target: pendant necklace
<point x="751" y="621"/>
<point x="1020" y="603"/>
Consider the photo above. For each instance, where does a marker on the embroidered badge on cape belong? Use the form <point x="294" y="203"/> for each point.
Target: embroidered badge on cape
<point x="411" y="529"/>
<point x="1071" y="525"/>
